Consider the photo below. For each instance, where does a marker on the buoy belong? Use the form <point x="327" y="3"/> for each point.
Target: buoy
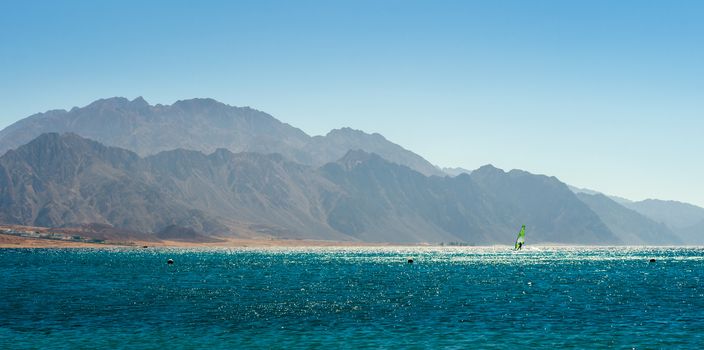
<point x="652" y="260"/>
<point x="170" y="261"/>
<point x="410" y="260"/>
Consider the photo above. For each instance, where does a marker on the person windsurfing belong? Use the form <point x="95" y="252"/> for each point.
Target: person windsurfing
<point x="521" y="238"/>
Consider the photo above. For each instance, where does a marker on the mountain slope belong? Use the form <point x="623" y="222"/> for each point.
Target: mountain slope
<point x="485" y="208"/>
<point x="338" y="142"/>
<point x="384" y="200"/>
<point x="617" y="199"/>
<point x="65" y="180"/>
<point x="693" y="234"/>
<point x="629" y="225"/>
<point x="456" y="171"/>
<point x="672" y="213"/>
<point x="550" y="210"/>
<point x="273" y="195"/>
<point x="198" y="124"/>
<point x="685" y="219"/>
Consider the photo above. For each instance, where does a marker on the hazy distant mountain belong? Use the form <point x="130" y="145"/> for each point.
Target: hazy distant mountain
<point x="693" y="234"/>
<point x="202" y="125"/>
<point x="685" y="219"/>
<point x="672" y="213"/>
<point x="455" y="171"/>
<point x="582" y="190"/>
<point x="67" y="180"/>
<point x="198" y="124"/>
<point x="338" y="142"/>
<point x="630" y="226"/>
<point x="616" y="199"/>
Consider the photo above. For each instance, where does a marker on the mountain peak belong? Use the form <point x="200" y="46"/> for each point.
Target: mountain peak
<point x="140" y="102"/>
<point x="350" y="132"/>
<point x="196" y="103"/>
<point x="357" y="156"/>
<point x="354" y="158"/>
<point x="487" y="169"/>
<point x="62" y="143"/>
<point x="117" y="102"/>
<point x="110" y="102"/>
<point x="57" y="138"/>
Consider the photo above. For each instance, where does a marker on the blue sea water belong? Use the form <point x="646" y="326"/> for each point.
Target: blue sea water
<point x="352" y="298"/>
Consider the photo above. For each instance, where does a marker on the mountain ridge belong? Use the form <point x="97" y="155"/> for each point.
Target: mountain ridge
<point x="202" y="124"/>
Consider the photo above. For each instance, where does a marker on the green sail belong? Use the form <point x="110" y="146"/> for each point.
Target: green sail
<point x="521" y="238"/>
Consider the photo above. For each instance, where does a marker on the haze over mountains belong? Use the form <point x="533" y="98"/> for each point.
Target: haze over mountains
<point x="685" y="219"/>
<point x="202" y="125"/>
<point x="203" y="167"/>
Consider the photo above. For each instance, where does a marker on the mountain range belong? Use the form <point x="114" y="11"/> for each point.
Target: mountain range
<point x="66" y="180"/>
<point x="202" y="169"/>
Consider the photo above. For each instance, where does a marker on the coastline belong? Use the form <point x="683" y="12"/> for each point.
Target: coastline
<point x="12" y="241"/>
<point x="19" y="242"/>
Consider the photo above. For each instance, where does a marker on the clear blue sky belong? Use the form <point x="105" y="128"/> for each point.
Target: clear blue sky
<point x="607" y="95"/>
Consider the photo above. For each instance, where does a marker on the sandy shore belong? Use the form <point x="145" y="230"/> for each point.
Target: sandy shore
<point x="11" y="241"/>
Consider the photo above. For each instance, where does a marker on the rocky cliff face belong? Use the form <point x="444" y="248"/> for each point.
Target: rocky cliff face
<point x="67" y="180"/>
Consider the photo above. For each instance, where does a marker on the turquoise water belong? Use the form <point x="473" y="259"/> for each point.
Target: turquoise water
<point x="351" y="298"/>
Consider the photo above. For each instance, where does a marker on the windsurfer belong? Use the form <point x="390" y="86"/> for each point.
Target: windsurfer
<point x="521" y="238"/>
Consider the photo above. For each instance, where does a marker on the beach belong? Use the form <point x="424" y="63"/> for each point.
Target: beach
<point x="14" y="241"/>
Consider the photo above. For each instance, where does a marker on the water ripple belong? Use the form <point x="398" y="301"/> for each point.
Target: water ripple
<point x="454" y="297"/>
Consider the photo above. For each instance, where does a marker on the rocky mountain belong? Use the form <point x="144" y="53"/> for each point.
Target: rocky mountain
<point x="202" y="125"/>
<point x="631" y="226"/>
<point x="555" y="213"/>
<point x="484" y="208"/>
<point x="261" y="194"/>
<point x="66" y="180"/>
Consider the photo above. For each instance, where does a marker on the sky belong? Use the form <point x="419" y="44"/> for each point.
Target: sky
<point x="606" y="95"/>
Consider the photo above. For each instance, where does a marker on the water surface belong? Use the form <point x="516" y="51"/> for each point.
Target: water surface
<point x="352" y="297"/>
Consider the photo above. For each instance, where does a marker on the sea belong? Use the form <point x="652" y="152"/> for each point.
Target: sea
<point x="352" y="297"/>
